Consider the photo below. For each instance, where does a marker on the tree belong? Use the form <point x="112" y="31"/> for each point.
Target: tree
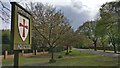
<point x="100" y="31"/>
<point x="5" y="12"/>
<point x="49" y="24"/>
<point x="109" y="12"/>
<point x="5" y="37"/>
<point x="82" y="40"/>
<point x="68" y="40"/>
<point x="88" y="28"/>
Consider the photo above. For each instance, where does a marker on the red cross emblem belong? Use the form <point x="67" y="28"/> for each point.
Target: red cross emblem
<point x="23" y="25"/>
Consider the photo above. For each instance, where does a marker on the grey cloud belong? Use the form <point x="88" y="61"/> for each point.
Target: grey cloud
<point x="78" y="4"/>
<point x="75" y="17"/>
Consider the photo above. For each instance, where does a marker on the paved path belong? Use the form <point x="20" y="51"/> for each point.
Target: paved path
<point x="99" y="53"/>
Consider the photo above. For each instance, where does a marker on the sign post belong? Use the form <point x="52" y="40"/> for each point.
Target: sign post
<point x="21" y="28"/>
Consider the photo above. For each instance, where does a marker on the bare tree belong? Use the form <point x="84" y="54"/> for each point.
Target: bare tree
<point x="49" y="24"/>
<point x="5" y="12"/>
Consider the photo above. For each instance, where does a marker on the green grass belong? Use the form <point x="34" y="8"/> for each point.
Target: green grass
<point x="76" y="58"/>
<point x="24" y="60"/>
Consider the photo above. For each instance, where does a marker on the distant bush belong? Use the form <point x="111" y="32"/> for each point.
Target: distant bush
<point x="57" y="49"/>
<point x="5" y="37"/>
<point x="52" y="61"/>
<point x="118" y="47"/>
<point x="7" y="47"/>
<point x="28" y="51"/>
<point x="60" y="56"/>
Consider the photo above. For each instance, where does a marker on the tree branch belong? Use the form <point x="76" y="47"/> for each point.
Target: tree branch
<point x="4" y="6"/>
<point x="42" y="35"/>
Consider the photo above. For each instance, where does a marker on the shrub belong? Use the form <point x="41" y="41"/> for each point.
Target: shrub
<point x="66" y="53"/>
<point x="60" y="56"/>
<point x="52" y="61"/>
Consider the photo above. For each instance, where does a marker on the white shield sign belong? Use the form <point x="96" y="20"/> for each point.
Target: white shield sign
<point x="23" y="26"/>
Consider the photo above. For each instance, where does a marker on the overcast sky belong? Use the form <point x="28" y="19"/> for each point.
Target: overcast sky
<point x="77" y="11"/>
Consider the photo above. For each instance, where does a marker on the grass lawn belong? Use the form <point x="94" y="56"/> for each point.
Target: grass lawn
<point x="76" y="58"/>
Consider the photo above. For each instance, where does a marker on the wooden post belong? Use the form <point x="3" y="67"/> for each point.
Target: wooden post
<point x="43" y="51"/>
<point x="5" y="55"/>
<point x="17" y="59"/>
<point x="22" y="52"/>
<point x="36" y="52"/>
<point x="33" y="52"/>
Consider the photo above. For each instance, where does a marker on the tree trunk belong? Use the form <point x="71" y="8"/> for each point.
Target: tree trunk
<point x="52" y="60"/>
<point x="43" y="51"/>
<point x="114" y="48"/>
<point x="103" y="46"/>
<point x="67" y="49"/>
<point x="95" y="45"/>
<point x="52" y="53"/>
<point x="70" y="49"/>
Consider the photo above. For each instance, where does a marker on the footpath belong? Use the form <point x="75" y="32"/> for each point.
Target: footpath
<point x="99" y="53"/>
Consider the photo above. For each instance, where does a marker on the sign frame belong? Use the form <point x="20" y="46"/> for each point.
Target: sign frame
<point x="16" y="41"/>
